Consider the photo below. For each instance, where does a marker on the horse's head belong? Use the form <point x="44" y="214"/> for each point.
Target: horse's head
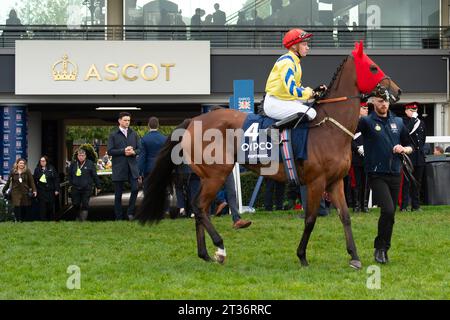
<point x="370" y="77"/>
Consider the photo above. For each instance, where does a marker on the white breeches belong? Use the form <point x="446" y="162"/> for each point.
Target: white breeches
<point x="280" y="109"/>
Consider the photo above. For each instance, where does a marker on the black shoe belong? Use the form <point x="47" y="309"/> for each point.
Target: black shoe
<point x="416" y="209"/>
<point x="386" y="256"/>
<point x="366" y="209"/>
<point x="380" y="256"/>
<point x="404" y="209"/>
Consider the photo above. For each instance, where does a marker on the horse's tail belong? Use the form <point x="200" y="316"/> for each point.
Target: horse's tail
<point x="155" y="191"/>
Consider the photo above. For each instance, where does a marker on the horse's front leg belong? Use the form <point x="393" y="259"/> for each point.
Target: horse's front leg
<point x="338" y="199"/>
<point x="314" y="194"/>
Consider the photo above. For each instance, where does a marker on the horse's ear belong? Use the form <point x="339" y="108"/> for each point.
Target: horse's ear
<point x="360" y="51"/>
<point x="356" y="46"/>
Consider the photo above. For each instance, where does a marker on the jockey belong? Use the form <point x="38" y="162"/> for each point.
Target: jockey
<point x="285" y="95"/>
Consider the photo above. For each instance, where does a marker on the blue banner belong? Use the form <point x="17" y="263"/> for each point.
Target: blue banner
<point x="14" y="143"/>
<point x="243" y="97"/>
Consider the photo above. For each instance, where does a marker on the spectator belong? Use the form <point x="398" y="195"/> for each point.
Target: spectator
<point x="82" y="177"/>
<point x="417" y="133"/>
<point x="22" y="190"/>
<point x="105" y="158"/>
<point x="438" y="151"/>
<point x="208" y="20"/>
<point x="187" y="186"/>
<point x="124" y="145"/>
<point x="196" y="19"/>
<point x="13" y="19"/>
<point x="219" y="17"/>
<point x="151" y="143"/>
<point x="242" y="20"/>
<point x="46" y="179"/>
<point x="447" y="150"/>
<point x="271" y="187"/>
<point x="238" y="222"/>
<point x="360" y="194"/>
<point x="385" y="137"/>
<point x="14" y="29"/>
<point x="293" y="194"/>
<point x="100" y="165"/>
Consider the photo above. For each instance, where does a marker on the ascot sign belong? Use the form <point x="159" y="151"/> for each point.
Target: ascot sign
<point x="112" y="67"/>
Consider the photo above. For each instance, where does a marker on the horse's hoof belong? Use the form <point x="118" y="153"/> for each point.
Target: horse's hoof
<point x="304" y="262"/>
<point x="220" y="258"/>
<point x="355" y="264"/>
<point x="207" y="258"/>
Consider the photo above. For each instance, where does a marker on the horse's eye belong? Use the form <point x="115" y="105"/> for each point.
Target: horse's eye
<point x="373" y="68"/>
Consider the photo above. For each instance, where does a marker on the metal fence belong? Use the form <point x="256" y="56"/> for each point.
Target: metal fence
<point x="391" y="37"/>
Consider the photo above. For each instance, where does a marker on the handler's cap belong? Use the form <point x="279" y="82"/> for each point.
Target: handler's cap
<point x="294" y="36"/>
<point x="412" y="106"/>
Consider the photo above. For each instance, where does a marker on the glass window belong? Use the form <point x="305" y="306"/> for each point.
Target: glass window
<point x="430" y="13"/>
<point x="53" y="12"/>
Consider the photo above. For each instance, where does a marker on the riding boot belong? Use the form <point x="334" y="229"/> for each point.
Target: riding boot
<point x="83" y="215"/>
<point x="287" y="122"/>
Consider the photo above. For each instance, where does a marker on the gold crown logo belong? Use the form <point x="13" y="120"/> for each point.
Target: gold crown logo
<point x="64" y="70"/>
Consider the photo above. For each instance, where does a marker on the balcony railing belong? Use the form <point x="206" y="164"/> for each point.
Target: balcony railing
<point x="391" y="37"/>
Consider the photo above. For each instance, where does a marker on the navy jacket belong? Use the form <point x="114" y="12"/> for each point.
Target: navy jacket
<point x="122" y="165"/>
<point x="151" y="143"/>
<point x="380" y="136"/>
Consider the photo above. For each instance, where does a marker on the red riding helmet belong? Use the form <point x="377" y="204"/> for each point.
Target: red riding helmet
<point x="295" y="36"/>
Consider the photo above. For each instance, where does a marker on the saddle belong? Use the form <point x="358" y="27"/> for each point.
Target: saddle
<point x="288" y="122"/>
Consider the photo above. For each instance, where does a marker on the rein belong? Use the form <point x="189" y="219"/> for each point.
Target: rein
<point x="339" y="99"/>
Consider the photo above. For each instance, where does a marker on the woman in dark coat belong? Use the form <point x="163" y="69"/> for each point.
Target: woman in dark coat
<point x="47" y="183"/>
<point x="22" y="189"/>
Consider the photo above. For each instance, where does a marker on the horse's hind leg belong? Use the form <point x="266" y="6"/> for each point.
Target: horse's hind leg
<point x="200" y="230"/>
<point x="338" y="200"/>
<point x="311" y="210"/>
<point x="208" y="191"/>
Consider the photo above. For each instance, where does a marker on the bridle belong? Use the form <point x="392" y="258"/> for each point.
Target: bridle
<point x="379" y="90"/>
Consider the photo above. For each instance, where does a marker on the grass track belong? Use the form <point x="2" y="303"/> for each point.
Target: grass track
<point x="121" y="260"/>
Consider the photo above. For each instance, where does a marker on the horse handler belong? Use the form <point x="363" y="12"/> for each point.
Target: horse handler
<point x="385" y="139"/>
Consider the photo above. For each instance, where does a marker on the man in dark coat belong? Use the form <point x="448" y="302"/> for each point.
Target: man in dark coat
<point x="360" y="191"/>
<point x="47" y="183"/>
<point x="124" y="145"/>
<point x="82" y="177"/>
<point x="417" y="133"/>
<point x="151" y="143"/>
<point x="385" y="137"/>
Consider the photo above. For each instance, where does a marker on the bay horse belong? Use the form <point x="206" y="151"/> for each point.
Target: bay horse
<point x="328" y="161"/>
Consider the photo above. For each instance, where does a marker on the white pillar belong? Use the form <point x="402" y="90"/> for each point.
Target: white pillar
<point x="34" y="138"/>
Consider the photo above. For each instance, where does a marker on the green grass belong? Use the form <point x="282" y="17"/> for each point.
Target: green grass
<point x="122" y="260"/>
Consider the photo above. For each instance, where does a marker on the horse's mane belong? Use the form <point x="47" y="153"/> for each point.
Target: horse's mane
<point x="338" y="71"/>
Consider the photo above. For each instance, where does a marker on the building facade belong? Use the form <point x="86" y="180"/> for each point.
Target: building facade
<point x="71" y="62"/>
